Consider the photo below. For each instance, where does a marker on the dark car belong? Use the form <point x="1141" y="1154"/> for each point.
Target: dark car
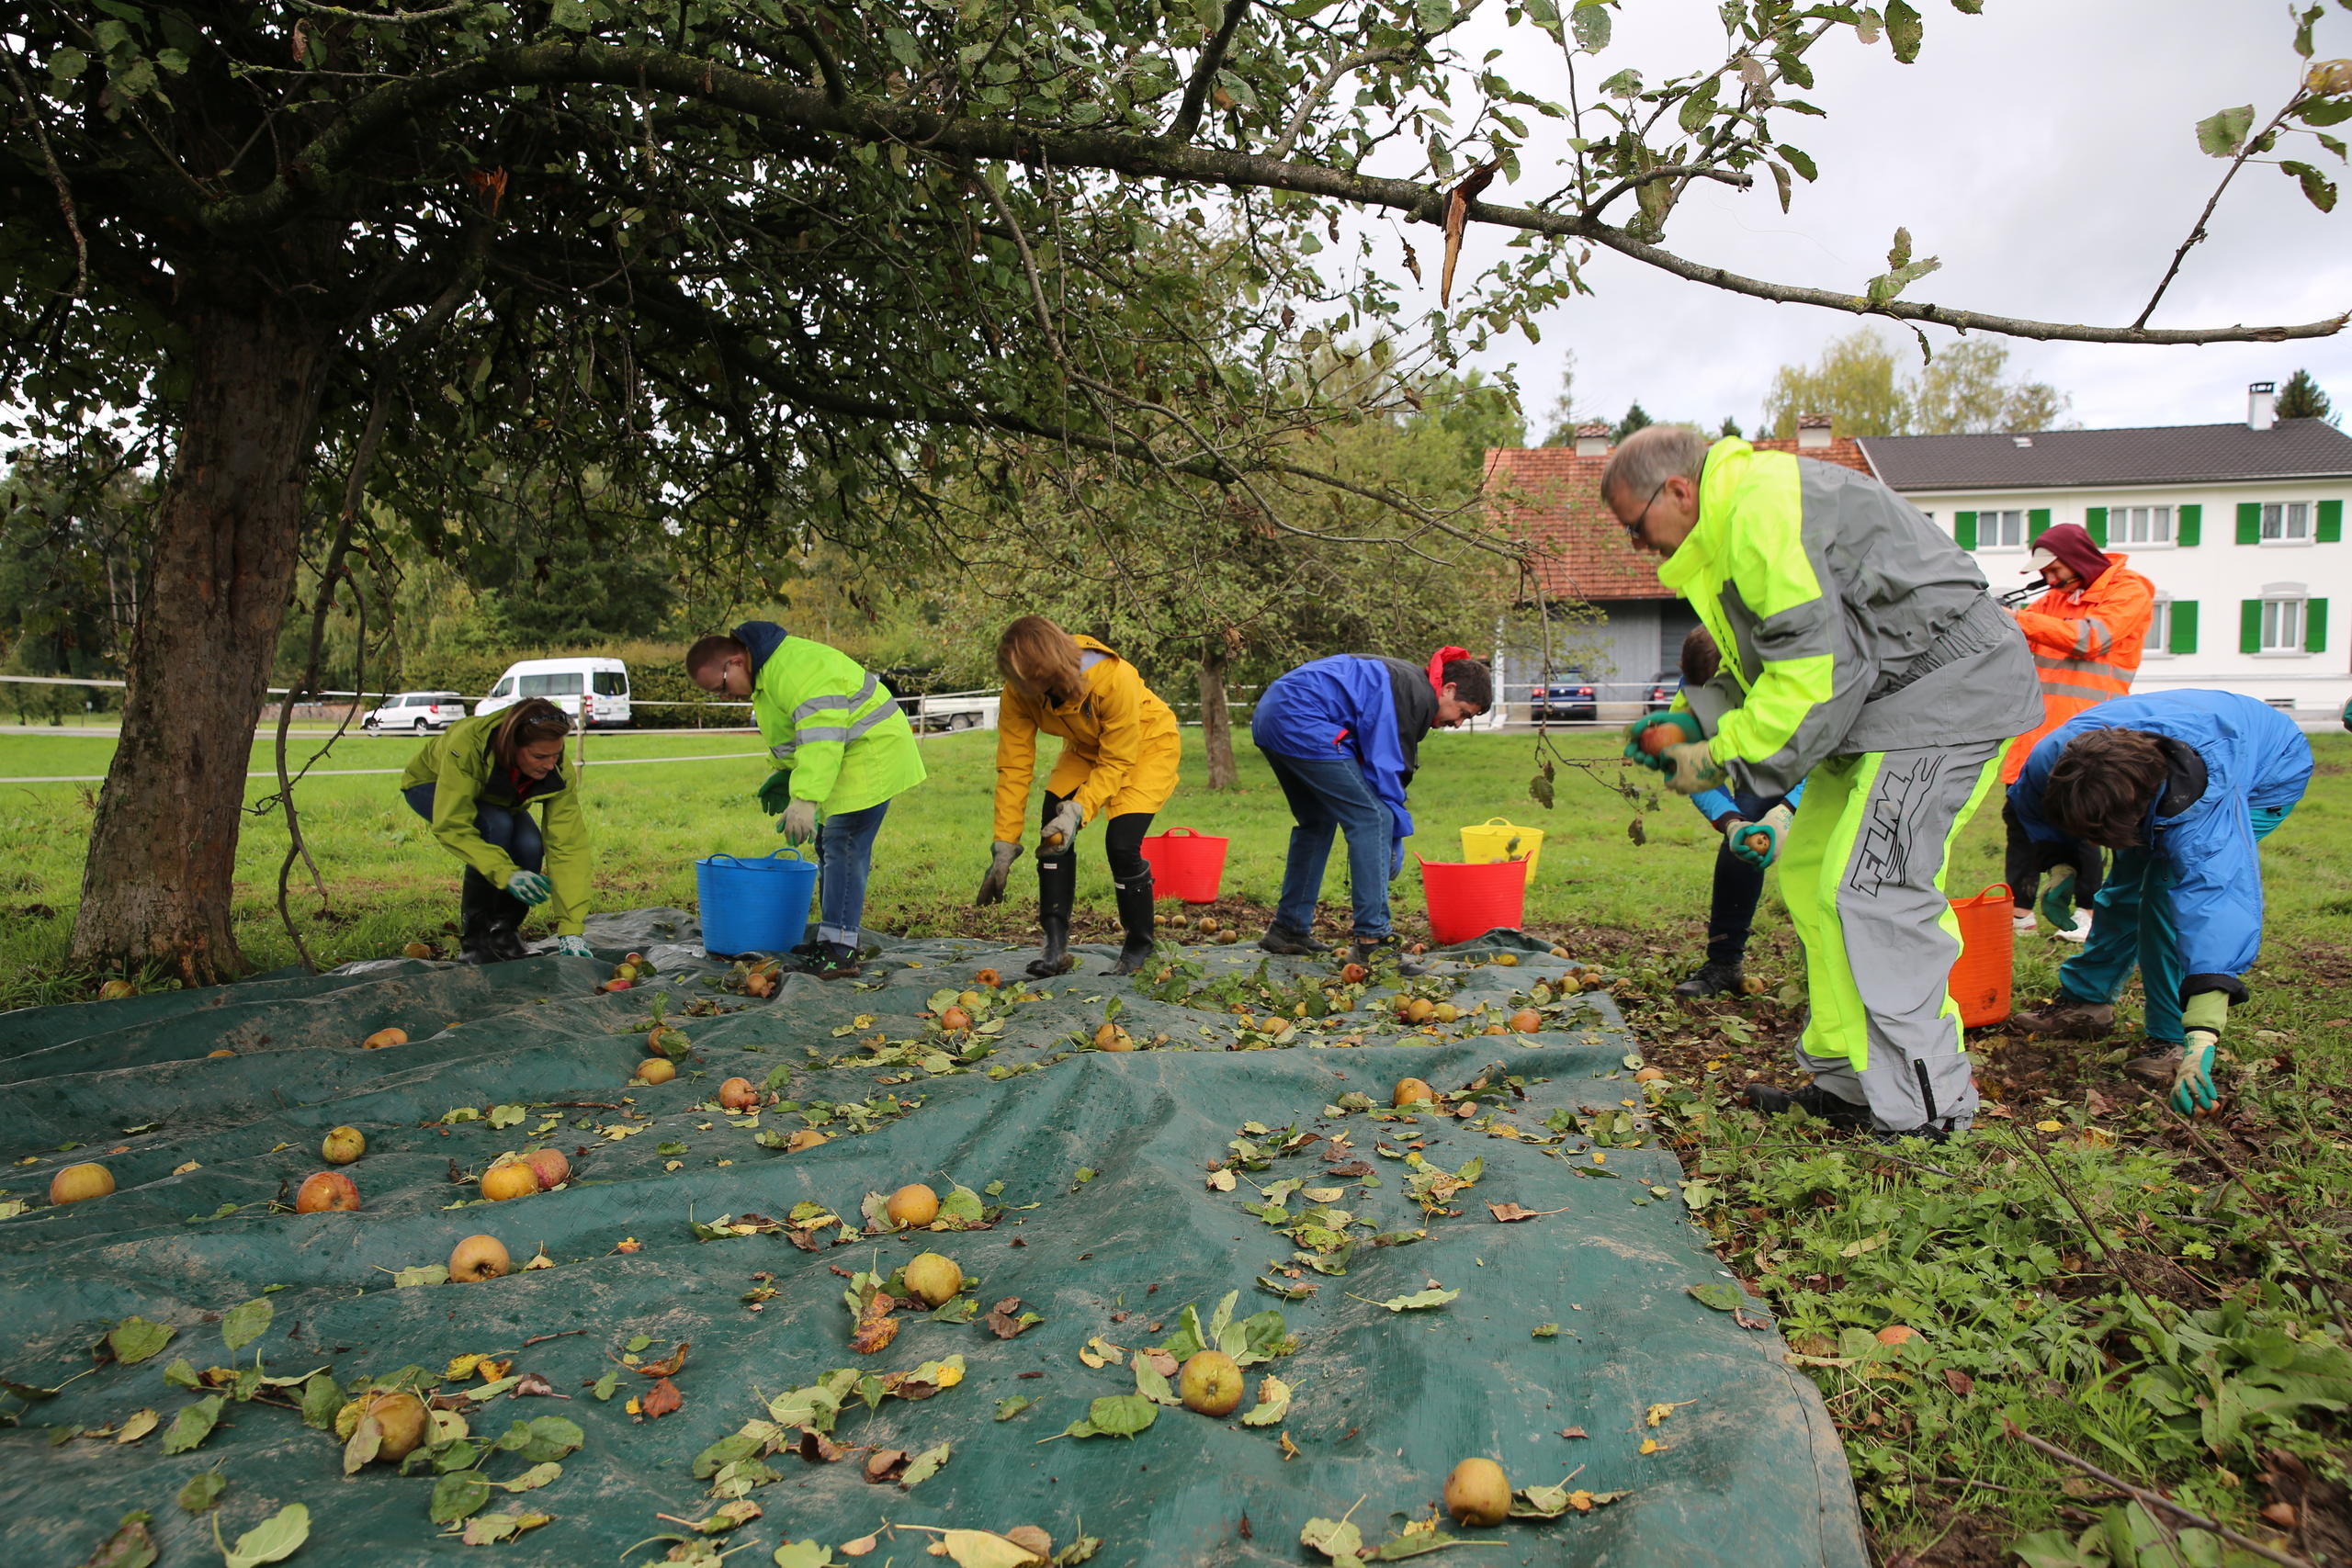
<point x="1563" y="695"/>
<point x="1662" y="691"/>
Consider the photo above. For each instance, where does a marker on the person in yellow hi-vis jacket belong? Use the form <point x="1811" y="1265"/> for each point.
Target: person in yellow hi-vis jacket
<point x="476" y="782"/>
<point x="1861" y="654"/>
<point x="1118" y="762"/>
<point x="842" y="748"/>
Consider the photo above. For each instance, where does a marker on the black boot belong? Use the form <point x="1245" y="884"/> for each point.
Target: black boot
<point x="1292" y="943"/>
<point x="504" y="934"/>
<point x="1369" y="950"/>
<point x="1813" y="1101"/>
<point x="476" y="901"/>
<point x="1713" y="979"/>
<point x="1135" y="916"/>
<point x="1056" y="890"/>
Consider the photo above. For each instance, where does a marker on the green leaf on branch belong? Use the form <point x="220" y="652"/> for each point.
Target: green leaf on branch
<point x="2318" y="189"/>
<point x="1590" y="24"/>
<point x="1802" y="162"/>
<point x="2221" y="135"/>
<point x="1904" y="31"/>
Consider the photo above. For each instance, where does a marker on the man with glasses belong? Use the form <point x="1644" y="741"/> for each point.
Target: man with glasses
<point x="1863" y="654"/>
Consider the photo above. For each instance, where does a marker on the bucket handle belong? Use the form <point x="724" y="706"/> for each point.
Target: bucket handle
<point x="739" y="863"/>
<point x="1500" y="822"/>
<point x="1188" y="832"/>
<point x="1988" y="887"/>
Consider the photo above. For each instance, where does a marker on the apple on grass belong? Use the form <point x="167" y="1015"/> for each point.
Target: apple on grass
<point x="477" y="1257"/>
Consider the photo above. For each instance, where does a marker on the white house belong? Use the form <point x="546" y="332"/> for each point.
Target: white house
<point x="2240" y="527"/>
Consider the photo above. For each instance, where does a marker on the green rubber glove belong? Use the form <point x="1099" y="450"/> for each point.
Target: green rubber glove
<point x="530" y="887"/>
<point x="2193" y="1093"/>
<point x="777" y="793"/>
<point x="2058" y="896"/>
<point x="1758" y="843"/>
<point x="1685" y="724"/>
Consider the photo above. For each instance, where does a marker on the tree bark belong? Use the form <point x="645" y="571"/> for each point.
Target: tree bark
<point x="158" y="889"/>
<point x="1216" y="720"/>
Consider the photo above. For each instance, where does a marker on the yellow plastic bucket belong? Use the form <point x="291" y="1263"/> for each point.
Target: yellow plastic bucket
<point x="1493" y="840"/>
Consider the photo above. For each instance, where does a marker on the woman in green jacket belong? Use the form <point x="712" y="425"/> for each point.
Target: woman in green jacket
<point x="476" y="783"/>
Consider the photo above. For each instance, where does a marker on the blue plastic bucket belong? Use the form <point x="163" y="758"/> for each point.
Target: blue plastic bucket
<point x="754" y="906"/>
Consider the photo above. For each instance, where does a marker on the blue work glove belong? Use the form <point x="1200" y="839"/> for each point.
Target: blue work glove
<point x="2193" y="1092"/>
<point x="1686" y="723"/>
<point x="776" y="793"/>
<point x="530" y="886"/>
<point x="1689" y="767"/>
<point x="2058" y="897"/>
<point x="573" y="947"/>
<point x="1758" y="843"/>
<point x="798" y="822"/>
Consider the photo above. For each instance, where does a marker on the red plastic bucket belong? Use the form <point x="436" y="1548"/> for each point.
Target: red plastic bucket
<point x="1980" y="980"/>
<point x="1186" y="864"/>
<point x="1467" y="901"/>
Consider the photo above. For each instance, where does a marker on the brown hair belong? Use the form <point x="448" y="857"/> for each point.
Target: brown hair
<point x="709" y="650"/>
<point x="527" y="723"/>
<point x="1700" y="657"/>
<point x="1470" y="681"/>
<point x="1039" y="660"/>
<point x="2100" y="788"/>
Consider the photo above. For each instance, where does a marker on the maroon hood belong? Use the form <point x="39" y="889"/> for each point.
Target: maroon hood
<point x="2070" y="545"/>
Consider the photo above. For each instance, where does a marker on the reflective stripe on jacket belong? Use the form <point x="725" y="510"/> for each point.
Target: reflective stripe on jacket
<point x="1849" y="623"/>
<point x="2086" y="644"/>
<point x="835" y="725"/>
<point x="458" y="763"/>
<point x="1120" y="745"/>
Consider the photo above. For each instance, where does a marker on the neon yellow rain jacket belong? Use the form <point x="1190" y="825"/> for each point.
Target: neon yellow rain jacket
<point x="835" y="725"/>
<point x="458" y="763"/>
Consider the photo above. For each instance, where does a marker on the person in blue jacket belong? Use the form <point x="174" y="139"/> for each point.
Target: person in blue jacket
<point x="1344" y="736"/>
<point x="1740" y="859"/>
<point x="2182" y="786"/>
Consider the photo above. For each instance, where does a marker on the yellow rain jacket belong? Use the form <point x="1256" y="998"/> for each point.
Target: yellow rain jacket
<point x="458" y="763"/>
<point x="1119" y="746"/>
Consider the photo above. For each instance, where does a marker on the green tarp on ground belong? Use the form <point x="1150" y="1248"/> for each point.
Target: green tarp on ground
<point x="1746" y="1468"/>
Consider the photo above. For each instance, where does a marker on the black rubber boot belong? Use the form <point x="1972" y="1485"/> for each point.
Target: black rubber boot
<point x="476" y="900"/>
<point x="1713" y="980"/>
<point x="504" y="935"/>
<point x="1292" y="943"/>
<point x="1056" y="890"/>
<point x="1813" y="1101"/>
<point x="1135" y="916"/>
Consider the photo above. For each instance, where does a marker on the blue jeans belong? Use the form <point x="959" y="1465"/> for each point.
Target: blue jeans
<point x="510" y="827"/>
<point x="2133" y="928"/>
<point x="844" y="866"/>
<point x="1328" y="793"/>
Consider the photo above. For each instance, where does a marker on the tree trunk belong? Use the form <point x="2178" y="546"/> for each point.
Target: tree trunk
<point x="1216" y="720"/>
<point x="158" y="888"/>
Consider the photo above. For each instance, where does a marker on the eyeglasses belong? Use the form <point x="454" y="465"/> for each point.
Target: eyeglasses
<point x="1633" y="529"/>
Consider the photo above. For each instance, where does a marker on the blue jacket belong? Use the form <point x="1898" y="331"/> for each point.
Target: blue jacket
<point x="1352" y="706"/>
<point x="2255" y="761"/>
<point x="1714" y="805"/>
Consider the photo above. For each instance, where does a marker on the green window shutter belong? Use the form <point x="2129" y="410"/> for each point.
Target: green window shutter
<point x="2249" y="522"/>
<point x="2314" y="625"/>
<point x="2037" y="523"/>
<point x="2188" y="524"/>
<point x="2331" y="522"/>
<point x="2249" y="625"/>
<point x="2095" y="524"/>
<point x="2182" y="636"/>
<point x="1963" y="529"/>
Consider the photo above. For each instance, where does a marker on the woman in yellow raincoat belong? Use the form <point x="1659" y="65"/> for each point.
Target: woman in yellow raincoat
<point x="1118" y="761"/>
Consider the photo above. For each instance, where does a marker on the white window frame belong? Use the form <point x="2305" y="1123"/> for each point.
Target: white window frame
<point x="2157" y="644"/>
<point x="2167" y="517"/>
<point x="2284" y="606"/>
<point x="1993" y="545"/>
<point x="2287" y="516"/>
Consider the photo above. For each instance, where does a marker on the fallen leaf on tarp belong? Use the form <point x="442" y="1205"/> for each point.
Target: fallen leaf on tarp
<point x="1290" y="1450"/>
<point x="883" y="1464"/>
<point x="1006" y="1409"/>
<point x="861" y="1546"/>
<point x="1113" y="1416"/>
<point x="876" y="1327"/>
<point x="1004" y="1325"/>
<point x="1273" y="1402"/>
<point x="669" y="1366"/>
<point x="1031" y="1538"/>
<point x="983" y="1549"/>
<point x="661" y="1399"/>
<point x="1658" y="1412"/>
<point x="1100" y="1353"/>
<point x="1221" y="1181"/>
<point x="1551" y="1502"/>
<point x="272" y="1541"/>
<point x="194" y="1423"/>
<point x="1418" y="1300"/>
<point x="134" y="1339"/>
<point x="130" y="1546"/>
<point x="241" y="1325"/>
<point x="726" y="1516"/>
<point x="1506" y="1212"/>
<point x="530" y="1384"/>
<point x="1720" y="1294"/>
<point x="1335" y="1538"/>
<point x="203" y="1491"/>
<point x="137" y="1424"/>
<point x="1574" y="1432"/>
<point x="802" y="1554"/>
<point x="485" y="1529"/>
<point x="926" y="1465"/>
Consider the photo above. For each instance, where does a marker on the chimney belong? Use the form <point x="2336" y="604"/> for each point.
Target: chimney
<point x="1814" y="432"/>
<point x="1592" y="439"/>
<point x="2261" y="406"/>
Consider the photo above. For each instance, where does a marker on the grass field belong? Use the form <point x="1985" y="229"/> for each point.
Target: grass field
<point x="2165" y="1301"/>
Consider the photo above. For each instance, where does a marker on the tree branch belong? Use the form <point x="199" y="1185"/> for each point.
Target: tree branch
<point x="828" y="65"/>
<point x="2148" y="1499"/>
<point x="1669" y="172"/>
<point x="2197" y="230"/>
<point x="1323" y="86"/>
<point x="1196" y="92"/>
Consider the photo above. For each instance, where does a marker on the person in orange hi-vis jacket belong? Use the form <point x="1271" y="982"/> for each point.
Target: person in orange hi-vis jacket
<point x="2086" y="633"/>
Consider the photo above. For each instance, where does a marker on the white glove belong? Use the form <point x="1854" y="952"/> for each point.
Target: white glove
<point x="1062" y="827"/>
<point x="798" y="823"/>
<point x="573" y="947"/>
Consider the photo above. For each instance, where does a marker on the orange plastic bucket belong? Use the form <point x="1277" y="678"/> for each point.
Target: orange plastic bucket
<point x="1980" y="981"/>
<point x="1186" y="864"/>
<point x="1468" y="901"/>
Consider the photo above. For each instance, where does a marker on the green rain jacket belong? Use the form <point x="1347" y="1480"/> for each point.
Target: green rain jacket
<point x="458" y="765"/>
<point x="1847" y="622"/>
<point x="823" y="716"/>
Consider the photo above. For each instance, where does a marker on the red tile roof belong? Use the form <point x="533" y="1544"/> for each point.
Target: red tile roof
<point x="1551" y="496"/>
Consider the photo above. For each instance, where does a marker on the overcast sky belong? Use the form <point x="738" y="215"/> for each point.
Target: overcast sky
<point x="2043" y="150"/>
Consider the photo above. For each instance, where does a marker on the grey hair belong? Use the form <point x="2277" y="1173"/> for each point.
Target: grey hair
<point x="1653" y="454"/>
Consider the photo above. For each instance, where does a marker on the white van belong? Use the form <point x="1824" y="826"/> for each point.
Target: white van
<point x="563" y="682"/>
